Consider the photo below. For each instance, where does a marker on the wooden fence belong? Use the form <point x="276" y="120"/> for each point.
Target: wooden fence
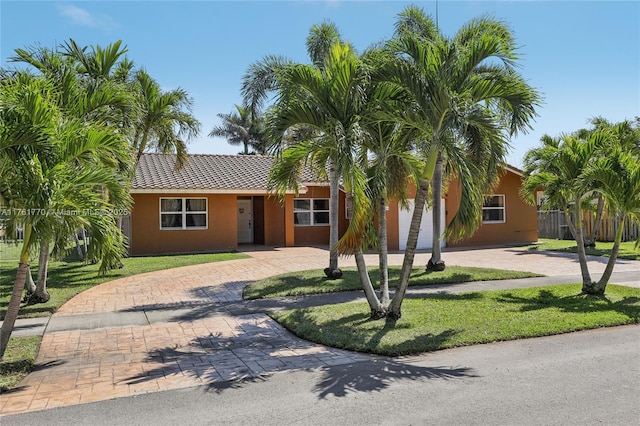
<point x="552" y="224"/>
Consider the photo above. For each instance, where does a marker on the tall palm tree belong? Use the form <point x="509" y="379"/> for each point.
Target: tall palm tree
<point x="85" y="92"/>
<point x="27" y="122"/>
<point x="467" y="100"/>
<point x="414" y="20"/>
<point x="242" y="127"/>
<point x="271" y="76"/>
<point x="391" y="166"/>
<point x="328" y="101"/>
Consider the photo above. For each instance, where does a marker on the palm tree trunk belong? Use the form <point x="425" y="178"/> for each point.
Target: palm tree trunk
<point x="143" y="144"/>
<point x="85" y="244"/>
<point x="14" y="302"/>
<point x="383" y="251"/>
<point x="333" y="272"/>
<point x="578" y="233"/>
<point x="395" y="309"/>
<point x="591" y="242"/>
<point x="377" y="308"/>
<point x="78" y="248"/>
<point x="41" y="294"/>
<point x="436" y="263"/>
<point x="29" y="285"/>
<point x="601" y="286"/>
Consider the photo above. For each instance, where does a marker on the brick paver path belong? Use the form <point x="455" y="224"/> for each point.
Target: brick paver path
<point x="82" y="366"/>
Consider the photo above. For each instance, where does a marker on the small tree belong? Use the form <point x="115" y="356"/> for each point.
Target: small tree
<point x="571" y="168"/>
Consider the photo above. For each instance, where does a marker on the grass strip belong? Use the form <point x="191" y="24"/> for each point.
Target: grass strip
<point x="627" y="251"/>
<point x="315" y="282"/>
<point x="443" y="321"/>
<point x="18" y="360"/>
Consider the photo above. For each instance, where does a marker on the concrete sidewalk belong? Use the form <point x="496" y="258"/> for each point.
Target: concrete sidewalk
<point x="189" y="326"/>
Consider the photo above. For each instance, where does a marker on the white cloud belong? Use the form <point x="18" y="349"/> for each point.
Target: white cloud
<point x="85" y="18"/>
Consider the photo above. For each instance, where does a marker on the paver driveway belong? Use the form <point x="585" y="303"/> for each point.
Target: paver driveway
<point x="207" y="345"/>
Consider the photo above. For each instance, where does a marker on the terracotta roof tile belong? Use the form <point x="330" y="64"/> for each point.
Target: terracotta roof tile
<point x="207" y="172"/>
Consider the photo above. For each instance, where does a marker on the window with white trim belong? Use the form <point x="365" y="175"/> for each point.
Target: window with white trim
<point x="183" y="213"/>
<point x="311" y="211"/>
<point x="493" y="209"/>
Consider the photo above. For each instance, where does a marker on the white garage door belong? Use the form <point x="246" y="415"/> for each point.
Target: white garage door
<point x="425" y="237"/>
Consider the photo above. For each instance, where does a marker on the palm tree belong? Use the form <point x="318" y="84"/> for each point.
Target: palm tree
<point x="617" y="176"/>
<point x="271" y="76"/>
<point x="557" y="166"/>
<point x="467" y="99"/>
<point x="242" y="127"/>
<point x="414" y="20"/>
<point x="83" y="91"/>
<point x="391" y="165"/>
<point x="329" y="102"/>
<point x="159" y="113"/>
<point x="153" y="119"/>
<point x="27" y="122"/>
<point x="52" y="164"/>
<point x="388" y="159"/>
<point x="626" y="135"/>
<point x="570" y="168"/>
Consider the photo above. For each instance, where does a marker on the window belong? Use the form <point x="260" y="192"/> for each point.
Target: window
<point x="493" y="209"/>
<point x="310" y="211"/>
<point x="183" y="213"/>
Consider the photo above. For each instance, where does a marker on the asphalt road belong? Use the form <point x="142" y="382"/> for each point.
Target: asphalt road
<point x="581" y="378"/>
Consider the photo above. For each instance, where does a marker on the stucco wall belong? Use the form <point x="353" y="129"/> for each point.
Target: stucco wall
<point x="148" y="238"/>
<point x="274" y="221"/>
<point x="319" y="235"/>
<point x="521" y="220"/>
<point x="222" y="233"/>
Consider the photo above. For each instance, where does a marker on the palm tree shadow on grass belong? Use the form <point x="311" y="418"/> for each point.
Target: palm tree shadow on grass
<point x="578" y="303"/>
<point x="339" y="334"/>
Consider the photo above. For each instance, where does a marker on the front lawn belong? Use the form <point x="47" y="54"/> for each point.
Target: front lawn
<point x="443" y="321"/>
<point x="627" y="249"/>
<point x="314" y="281"/>
<point x="18" y="360"/>
<point x="66" y="279"/>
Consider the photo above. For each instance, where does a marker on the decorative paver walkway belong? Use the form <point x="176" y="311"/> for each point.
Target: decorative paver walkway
<point x="201" y="342"/>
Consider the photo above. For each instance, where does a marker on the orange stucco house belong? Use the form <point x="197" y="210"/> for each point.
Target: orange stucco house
<point x="218" y="202"/>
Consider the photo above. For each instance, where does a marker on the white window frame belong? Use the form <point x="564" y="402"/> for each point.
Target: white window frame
<point x="185" y="213"/>
<point x="503" y="208"/>
<point x="311" y="212"/>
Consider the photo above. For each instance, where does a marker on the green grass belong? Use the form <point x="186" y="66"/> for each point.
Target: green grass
<point x="443" y="321"/>
<point x="10" y="251"/>
<point x="627" y="249"/>
<point x="314" y="281"/>
<point x="18" y="360"/>
<point x="66" y="279"/>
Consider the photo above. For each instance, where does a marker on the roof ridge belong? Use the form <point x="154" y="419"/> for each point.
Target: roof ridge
<point x="160" y="154"/>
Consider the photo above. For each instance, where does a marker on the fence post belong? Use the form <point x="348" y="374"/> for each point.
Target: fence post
<point x="559" y="225"/>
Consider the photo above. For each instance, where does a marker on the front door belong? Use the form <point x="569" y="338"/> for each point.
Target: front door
<point x="245" y="221"/>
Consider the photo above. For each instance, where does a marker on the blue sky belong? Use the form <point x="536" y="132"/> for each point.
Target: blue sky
<point x="583" y="56"/>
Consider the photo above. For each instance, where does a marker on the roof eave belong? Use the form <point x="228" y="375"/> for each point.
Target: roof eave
<point x="243" y="191"/>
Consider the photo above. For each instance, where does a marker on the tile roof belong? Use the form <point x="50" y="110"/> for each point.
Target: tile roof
<point x="225" y="173"/>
